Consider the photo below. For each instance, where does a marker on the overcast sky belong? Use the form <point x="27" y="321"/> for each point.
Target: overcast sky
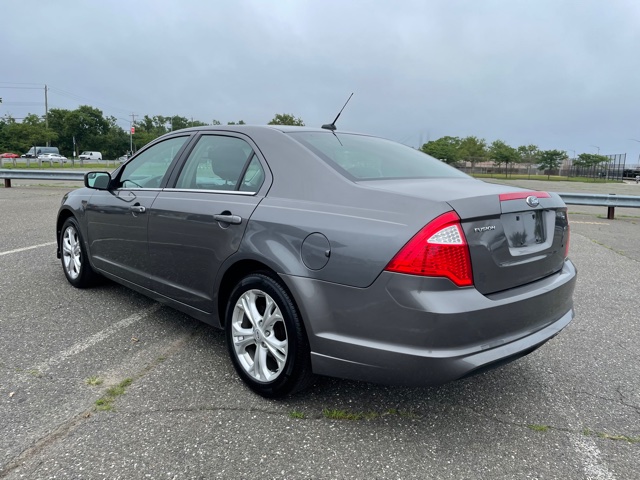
<point x="558" y="74"/>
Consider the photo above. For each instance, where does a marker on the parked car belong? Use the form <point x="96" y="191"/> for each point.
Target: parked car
<point x="88" y="155"/>
<point x="35" y="152"/>
<point x="52" y="157"/>
<point x="326" y="252"/>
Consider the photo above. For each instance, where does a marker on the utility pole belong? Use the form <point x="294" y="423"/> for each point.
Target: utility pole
<point x="46" y="116"/>
<point x="133" y="119"/>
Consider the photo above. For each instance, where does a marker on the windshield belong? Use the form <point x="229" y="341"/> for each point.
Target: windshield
<point x="360" y="157"/>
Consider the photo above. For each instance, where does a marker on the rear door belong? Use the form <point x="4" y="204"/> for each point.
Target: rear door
<point x="514" y="238"/>
<point x="199" y="222"/>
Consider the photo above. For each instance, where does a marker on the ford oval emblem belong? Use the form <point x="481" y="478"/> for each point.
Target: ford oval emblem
<point x="532" y="201"/>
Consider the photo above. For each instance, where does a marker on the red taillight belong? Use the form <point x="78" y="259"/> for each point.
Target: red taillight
<point x="566" y="242"/>
<point x="438" y="250"/>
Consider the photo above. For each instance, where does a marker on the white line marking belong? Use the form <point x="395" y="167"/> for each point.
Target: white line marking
<point x="586" y="447"/>
<point x="17" y="250"/>
<point x="594" y="469"/>
<point x="93" y="339"/>
<point x="587" y="223"/>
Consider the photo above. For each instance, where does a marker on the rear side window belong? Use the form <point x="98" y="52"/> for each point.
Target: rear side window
<point x="360" y="157"/>
<point x="218" y="162"/>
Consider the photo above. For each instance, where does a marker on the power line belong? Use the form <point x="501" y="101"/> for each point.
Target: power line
<point x="23" y="88"/>
<point x="20" y="83"/>
<point x="23" y="104"/>
<point x="59" y="91"/>
<point x="79" y="97"/>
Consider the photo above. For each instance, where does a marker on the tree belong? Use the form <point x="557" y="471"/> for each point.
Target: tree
<point x="241" y="122"/>
<point x="197" y="123"/>
<point x="115" y="142"/>
<point x="590" y="161"/>
<point x="58" y="119"/>
<point x="20" y="137"/>
<point x="286" y="119"/>
<point x="446" y="149"/>
<point x="529" y="155"/>
<point x="87" y="125"/>
<point x="551" y="160"/>
<point x="473" y="149"/>
<point x="501" y="153"/>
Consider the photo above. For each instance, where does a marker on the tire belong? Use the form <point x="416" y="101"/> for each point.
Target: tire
<point x="73" y="256"/>
<point x="272" y="334"/>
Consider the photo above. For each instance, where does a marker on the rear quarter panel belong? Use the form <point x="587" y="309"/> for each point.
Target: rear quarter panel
<point x="361" y="241"/>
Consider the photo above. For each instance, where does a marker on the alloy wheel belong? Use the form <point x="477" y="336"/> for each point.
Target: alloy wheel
<point x="71" y="252"/>
<point x="259" y="336"/>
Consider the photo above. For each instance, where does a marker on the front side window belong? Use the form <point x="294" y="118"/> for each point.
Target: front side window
<point x="221" y="163"/>
<point x="360" y="157"/>
<point x="149" y="168"/>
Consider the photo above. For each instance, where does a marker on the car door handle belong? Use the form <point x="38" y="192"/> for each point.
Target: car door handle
<point x="138" y="208"/>
<point x="232" y="219"/>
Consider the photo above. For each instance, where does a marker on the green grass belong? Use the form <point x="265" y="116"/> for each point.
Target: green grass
<point x="539" y="428"/>
<point x="552" y="178"/>
<point x="93" y="381"/>
<point x="105" y="403"/>
<point x="338" y="414"/>
<point x="608" y="436"/>
<point x="296" y="414"/>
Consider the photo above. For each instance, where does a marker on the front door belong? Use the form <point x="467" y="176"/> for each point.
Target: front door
<point x="118" y="218"/>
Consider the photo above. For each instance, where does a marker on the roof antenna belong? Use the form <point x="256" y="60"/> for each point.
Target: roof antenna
<point x="332" y="126"/>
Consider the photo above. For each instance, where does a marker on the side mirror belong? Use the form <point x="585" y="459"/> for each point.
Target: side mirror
<point x="97" y="180"/>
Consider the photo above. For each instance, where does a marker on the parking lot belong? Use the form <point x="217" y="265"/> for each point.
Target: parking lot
<point x="570" y="410"/>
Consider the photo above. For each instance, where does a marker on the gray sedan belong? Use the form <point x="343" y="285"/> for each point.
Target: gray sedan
<point x="326" y="252"/>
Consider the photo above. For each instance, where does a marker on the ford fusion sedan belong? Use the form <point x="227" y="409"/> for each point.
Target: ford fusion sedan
<point x="330" y="253"/>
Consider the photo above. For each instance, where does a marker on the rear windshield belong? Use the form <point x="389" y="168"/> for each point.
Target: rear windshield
<point x="360" y="157"/>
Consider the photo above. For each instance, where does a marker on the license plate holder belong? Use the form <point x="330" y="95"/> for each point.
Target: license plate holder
<point x="524" y="229"/>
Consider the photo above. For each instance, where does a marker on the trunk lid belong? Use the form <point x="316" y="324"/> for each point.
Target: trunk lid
<point x="522" y="240"/>
<point x="511" y="242"/>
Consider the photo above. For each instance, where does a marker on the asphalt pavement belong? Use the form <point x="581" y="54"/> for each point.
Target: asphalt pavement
<point x="570" y="410"/>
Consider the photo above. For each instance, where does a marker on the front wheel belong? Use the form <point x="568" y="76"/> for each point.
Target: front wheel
<point x="75" y="262"/>
<point x="266" y="338"/>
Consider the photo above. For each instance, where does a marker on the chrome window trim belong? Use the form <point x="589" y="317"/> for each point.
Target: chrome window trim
<point x="137" y="189"/>
<point x="199" y="190"/>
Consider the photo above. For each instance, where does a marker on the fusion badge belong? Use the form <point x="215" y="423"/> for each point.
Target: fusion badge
<point x="484" y="229"/>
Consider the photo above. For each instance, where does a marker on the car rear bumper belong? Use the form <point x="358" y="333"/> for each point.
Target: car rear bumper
<point x="417" y="331"/>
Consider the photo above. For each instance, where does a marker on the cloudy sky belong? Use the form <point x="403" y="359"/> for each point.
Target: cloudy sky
<point x="557" y="73"/>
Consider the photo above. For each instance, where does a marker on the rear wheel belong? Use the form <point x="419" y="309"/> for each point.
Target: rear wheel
<point x="266" y="339"/>
<point x="75" y="263"/>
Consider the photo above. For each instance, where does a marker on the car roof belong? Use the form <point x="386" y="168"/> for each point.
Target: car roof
<point x="253" y="128"/>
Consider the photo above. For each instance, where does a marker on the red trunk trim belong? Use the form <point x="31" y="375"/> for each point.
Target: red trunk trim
<point x="504" y="197"/>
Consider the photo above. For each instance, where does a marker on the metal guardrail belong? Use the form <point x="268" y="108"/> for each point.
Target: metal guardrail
<point x="8" y="174"/>
<point x="611" y="201"/>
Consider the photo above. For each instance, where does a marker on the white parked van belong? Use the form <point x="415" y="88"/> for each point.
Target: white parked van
<point x="90" y="156"/>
